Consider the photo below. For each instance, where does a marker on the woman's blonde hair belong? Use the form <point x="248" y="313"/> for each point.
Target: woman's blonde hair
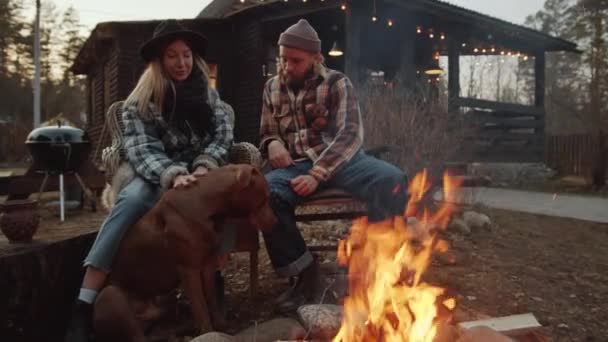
<point x="153" y="84"/>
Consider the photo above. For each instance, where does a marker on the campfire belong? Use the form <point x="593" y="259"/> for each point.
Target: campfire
<point x="388" y="298"/>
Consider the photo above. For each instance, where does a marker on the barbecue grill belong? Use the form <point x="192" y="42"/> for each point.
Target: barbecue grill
<point x="56" y="150"/>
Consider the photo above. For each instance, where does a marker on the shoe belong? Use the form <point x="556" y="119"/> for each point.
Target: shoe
<point x="306" y="290"/>
<point x="80" y="327"/>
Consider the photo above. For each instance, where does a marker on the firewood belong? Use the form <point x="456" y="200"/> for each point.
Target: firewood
<point x="509" y="325"/>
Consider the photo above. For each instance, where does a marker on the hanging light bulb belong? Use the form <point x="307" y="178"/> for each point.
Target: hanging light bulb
<point x="442" y="36"/>
<point x="525" y="58"/>
<point x="476" y="50"/>
<point x="242" y="1"/>
<point x="493" y="49"/>
<point x="418" y="29"/>
<point x="483" y="51"/>
<point x="431" y="35"/>
<point x="390" y="22"/>
<point x="502" y="52"/>
<point x="343" y="7"/>
<point x="464" y="44"/>
<point x="374" y="18"/>
<point x="336" y="51"/>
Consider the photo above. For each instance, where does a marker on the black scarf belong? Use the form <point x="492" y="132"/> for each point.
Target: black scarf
<point x="192" y="110"/>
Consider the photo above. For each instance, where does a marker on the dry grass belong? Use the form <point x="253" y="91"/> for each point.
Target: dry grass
<point x="424" y="135"/>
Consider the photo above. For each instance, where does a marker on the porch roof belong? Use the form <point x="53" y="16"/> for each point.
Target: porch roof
<point x="227" y="8"/>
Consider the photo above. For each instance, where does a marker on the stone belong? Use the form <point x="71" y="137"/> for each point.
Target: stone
<point x="286" y="329"/>
<point x="446" y="332"/>
<point x="482" y="334"/>
<point x="214" y="337"/>
<point x="459" y="226"/>
<point x="476" y="220"/>
<point x="322" y="320"/>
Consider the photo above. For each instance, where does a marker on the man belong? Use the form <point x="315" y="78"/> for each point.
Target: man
<point x="311" y="133"/>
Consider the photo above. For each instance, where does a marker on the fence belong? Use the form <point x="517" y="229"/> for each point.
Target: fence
<point x="572" y="154"/>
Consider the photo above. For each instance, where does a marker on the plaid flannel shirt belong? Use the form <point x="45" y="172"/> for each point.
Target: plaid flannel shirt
<point x="159" y="152"/>
<point x="322" y="122"/>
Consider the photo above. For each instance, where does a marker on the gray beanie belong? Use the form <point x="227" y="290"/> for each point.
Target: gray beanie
<point x="301" y="36"/>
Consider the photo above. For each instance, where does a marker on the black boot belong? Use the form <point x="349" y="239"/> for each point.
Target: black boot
<point x="307" y="290"/>
<point x="80" y="327"/>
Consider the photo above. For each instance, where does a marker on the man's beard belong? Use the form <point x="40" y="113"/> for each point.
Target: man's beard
<point x="295" y="82"/>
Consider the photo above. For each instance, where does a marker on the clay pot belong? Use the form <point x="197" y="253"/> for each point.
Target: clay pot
<point x="19" y="220"/>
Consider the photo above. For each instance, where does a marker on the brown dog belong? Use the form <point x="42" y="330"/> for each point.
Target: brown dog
<point x="174" y="243"/>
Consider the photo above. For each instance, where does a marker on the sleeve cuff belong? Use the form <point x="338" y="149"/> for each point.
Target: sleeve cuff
<point x="320" y="174"/>
<point x="264" y="144"/>
<point x="204" y="161"/>
<point x="167" y="177"/>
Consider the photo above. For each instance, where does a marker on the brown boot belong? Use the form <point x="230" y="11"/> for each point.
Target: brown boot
<point x="308" y="289"/>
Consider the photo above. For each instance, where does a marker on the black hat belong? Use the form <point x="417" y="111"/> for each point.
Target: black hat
<point x="168" y="31"/>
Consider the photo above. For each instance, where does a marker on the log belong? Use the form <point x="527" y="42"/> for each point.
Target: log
<point x="509" y="325"/>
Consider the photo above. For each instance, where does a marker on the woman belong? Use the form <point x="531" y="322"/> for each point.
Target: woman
<point x="176" y="127"/>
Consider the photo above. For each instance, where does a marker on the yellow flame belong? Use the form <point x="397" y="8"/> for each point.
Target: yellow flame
<point x="388" y="299"/>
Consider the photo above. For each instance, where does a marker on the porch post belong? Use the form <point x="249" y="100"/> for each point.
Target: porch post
<point x="539" y="78"/>
<point x="353" y="23"/>
<point x="407" y="50"/>
<point x="453" y="75"/>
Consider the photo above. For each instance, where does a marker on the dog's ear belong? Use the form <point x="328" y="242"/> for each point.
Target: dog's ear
<point x="243" y="176"/>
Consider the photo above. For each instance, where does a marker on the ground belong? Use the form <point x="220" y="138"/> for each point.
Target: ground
<point x="555" y="268"/>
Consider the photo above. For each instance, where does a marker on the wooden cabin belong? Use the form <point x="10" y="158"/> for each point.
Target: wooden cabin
<point x="404" y="42"/>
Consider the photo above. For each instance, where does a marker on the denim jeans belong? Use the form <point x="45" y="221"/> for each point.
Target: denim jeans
<point x="133" y="201"/>
<point x="381" y="185"/>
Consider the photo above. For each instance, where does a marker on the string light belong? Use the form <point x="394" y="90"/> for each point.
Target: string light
<point x="464" y="44"/>
<point x="418" y="29"/>
<point x="442" y="36"/>
<point x="343" y="7"/>
<point x="431" y="35"/>
<point x="525" y="58"/>
<point x="390" y="22"/>
<point x="374" y="18"/>
<point x="483" y="51"/>
<point x="476" y="50"/>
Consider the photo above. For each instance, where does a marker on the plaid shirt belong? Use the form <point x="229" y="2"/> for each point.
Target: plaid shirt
<point x="159" y="152"/>
<point x="322" y="122"/>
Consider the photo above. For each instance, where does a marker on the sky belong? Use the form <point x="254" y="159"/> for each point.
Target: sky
<point x="95" y="11"/>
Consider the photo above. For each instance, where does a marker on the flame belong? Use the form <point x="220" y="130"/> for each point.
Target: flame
<point x="388" y="300"/>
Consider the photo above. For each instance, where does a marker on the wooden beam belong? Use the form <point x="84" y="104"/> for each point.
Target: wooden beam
<point x="499" y="106"/>
<point x="509" y="325"/>
<point x="353" y="23"/>
<point x="407" y="51"/>
<point x="453" y="76"/>
<point x="539" y="78"/>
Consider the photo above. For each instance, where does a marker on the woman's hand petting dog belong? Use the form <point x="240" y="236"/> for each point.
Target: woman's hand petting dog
<point x="183" y="181"/>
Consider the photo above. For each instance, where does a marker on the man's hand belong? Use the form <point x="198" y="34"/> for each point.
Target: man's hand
<point x="278" y="155"/>
<point x="183" y="181"/>
<point x="304" y="185"/>
<point x="200" y="171"/>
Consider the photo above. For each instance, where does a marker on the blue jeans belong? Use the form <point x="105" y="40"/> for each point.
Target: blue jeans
<point x="133" y="201"/>
<point x="381" y="185"/>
